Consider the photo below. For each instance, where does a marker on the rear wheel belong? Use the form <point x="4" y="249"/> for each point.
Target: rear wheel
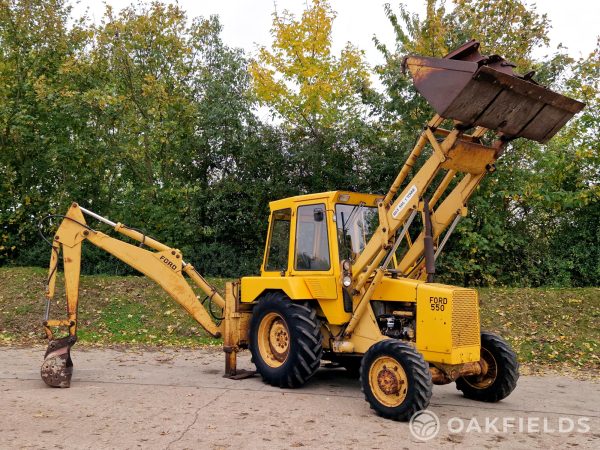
<point x="395" y="379"/>
<point x="285" y="341"/>
<point x="501" y="371"/>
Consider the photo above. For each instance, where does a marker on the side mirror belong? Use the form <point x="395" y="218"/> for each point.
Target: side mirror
<point x="318" y="215"/>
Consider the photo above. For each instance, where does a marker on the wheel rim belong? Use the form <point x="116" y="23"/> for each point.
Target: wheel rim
<point x="487" y="379"/>
<point x="273" y="339"/>
<point x="388" y="381"/>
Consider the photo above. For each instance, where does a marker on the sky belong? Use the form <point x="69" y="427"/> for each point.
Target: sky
<point x="246" y="23"/>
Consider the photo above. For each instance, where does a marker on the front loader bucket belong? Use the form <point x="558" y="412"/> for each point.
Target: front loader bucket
<point x="484" y="91"/>
<point x="57" y="368"/>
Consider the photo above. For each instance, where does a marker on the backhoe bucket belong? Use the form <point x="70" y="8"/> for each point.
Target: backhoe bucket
<point x="57" y="368"/>
<point x="484" y="91"/>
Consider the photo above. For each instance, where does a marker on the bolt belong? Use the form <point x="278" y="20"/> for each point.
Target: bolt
<point x="56" y="238"/>
<point x="86" y="232"/>
<point x="172" y="252"/>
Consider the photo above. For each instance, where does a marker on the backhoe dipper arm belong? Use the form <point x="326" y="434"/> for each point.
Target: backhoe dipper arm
<point x="165" y="267"/>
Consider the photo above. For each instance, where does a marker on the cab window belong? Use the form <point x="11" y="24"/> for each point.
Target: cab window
<point x="312" y="243"/>
<point x="279" y="243"/>
<point x="356" y="224"/>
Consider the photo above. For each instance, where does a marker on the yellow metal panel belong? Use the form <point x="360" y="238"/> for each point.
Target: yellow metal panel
<point x="366" y="332"/>
<point x="322" y="288"/>
<point x="469" y="157"/>
<point x="434" y="318"/>
<point x="294" y="287"/>
<point x="400" y="289"/>
<point x="457" y="356"/>
<point x="69" y="232"/>
<point x="330" y="197"/>
<point x="447" y="324"/>
<point x="333" y="310"/>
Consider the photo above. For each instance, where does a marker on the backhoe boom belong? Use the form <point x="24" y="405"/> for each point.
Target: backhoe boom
<point x="165" y="266"/>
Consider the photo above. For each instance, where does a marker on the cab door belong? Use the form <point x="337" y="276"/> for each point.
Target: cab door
<point x="312" y="258"/>
<point x="311" y="253"/>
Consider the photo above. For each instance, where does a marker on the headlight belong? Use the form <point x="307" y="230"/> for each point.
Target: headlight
<point x="347" y="281"/>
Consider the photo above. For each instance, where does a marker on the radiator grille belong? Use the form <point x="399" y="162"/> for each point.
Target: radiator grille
<point x="465" y="318"/>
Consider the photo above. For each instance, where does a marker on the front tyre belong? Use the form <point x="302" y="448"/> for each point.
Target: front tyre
<point x="285" y="341"/>
<point x="501" y="371"/>
<point x="395" y="379"/>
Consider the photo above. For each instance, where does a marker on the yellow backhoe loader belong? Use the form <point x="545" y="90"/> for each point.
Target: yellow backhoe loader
<point x="349" y="277"/>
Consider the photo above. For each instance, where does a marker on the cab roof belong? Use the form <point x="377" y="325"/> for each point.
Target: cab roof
<point x="331" y="197"/>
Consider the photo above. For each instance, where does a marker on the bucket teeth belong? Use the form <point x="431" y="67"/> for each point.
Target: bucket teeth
<point x="57" y="368"/>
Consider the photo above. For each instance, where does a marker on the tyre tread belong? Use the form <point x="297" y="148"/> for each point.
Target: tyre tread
<point x="509" y="375"/>
<point x="422" y="383"/>
<point x="307" y="329"/>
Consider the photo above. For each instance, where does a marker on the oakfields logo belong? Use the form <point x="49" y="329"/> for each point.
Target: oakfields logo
<point x="425" y="425"/>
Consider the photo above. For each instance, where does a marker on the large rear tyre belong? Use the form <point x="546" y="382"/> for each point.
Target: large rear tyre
<point x="395" y="379"/>
<point x="501" y="374"/>
<point x="285" y="341"/>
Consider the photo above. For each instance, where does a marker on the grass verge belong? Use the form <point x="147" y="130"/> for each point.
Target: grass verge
<point x="551" y="329"/>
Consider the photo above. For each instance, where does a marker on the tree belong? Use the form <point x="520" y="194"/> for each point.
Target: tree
<point x="522" y="213"/>
<point x="301" y="80"/>
<point x="36" y="128"/>
<point x="146" y="118"/>
<point x="317" y="96"/>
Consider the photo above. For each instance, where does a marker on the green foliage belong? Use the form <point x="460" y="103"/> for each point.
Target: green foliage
<point x="318" y="96"/>
<point x="534" y="220"/>
<point x="150" y="119"/>
<point x="301" y="80"/>
<point x="146" y="118"/>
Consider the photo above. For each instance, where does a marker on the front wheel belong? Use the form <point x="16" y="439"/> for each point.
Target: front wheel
<point x="285" y="341"/>
<point x="395" y="379"/>
<point x="501" y="371"/>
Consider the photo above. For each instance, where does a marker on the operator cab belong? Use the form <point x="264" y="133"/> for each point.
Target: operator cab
<point x="313" y="233"/>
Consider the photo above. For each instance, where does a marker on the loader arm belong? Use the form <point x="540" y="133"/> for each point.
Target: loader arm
<point x="473" y="93"/>
<point x="165" y="266"/>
